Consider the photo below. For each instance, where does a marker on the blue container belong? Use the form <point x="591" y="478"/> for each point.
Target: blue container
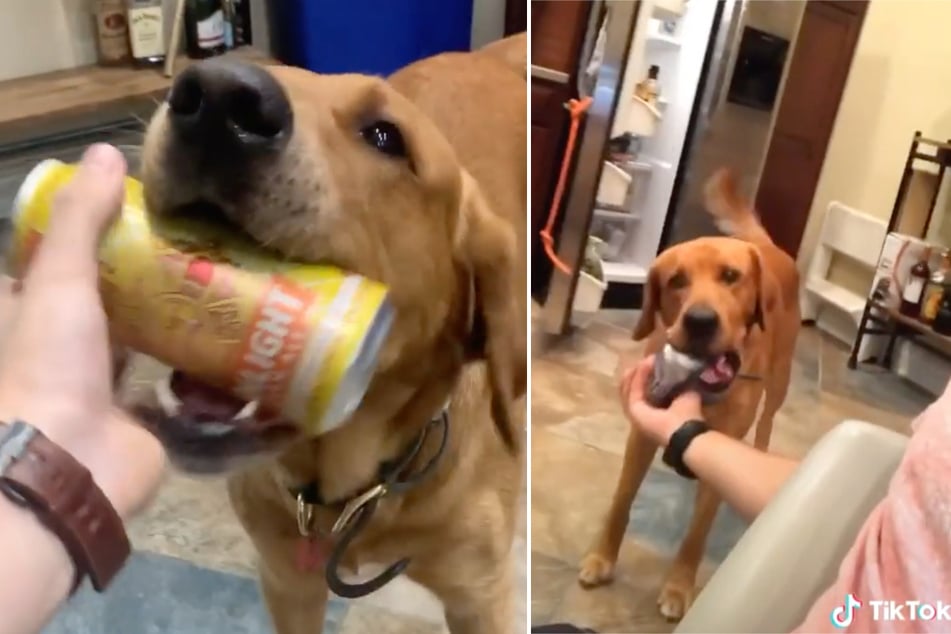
<point x="374" y="37"/>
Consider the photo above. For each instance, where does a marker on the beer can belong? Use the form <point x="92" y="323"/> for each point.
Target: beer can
<point x="301" y="339"/>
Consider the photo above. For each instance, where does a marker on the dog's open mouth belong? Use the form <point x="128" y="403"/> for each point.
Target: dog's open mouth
<point x="720" y="371"/>
<point x="206" y="429"/>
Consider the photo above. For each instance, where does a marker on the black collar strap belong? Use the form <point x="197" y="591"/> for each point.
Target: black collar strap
<point x="356" y="512"/>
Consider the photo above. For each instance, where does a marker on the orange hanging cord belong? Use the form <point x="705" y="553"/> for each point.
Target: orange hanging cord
<point x="577" y="108"/>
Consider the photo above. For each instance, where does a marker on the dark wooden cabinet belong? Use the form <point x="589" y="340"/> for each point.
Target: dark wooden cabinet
<point x="815" y="82"/>
<point x="516" y="18"/>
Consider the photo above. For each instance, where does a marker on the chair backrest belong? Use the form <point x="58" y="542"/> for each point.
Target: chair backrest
<point x="792" y="551"/>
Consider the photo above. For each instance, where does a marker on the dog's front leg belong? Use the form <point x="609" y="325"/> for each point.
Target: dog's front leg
<point x="297" y="602"/>
<point x="678" y="590"/>
<point x="479" y="612"/>
<point x="475" y="584"/>
<point x="296" y="597"/>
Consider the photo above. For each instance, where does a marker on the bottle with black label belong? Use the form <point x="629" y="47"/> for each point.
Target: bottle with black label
<point x="204" y="28"/>
<point x="147" y="32"/>
<point x="915" y="286"/>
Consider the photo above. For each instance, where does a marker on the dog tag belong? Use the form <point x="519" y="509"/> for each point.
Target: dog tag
<point x="311" y="554"/>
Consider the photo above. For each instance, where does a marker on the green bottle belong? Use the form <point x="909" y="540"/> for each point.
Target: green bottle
<point x="204" y="28"/>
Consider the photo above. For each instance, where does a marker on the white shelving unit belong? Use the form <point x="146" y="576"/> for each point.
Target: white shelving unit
<point x="634" y="230"/>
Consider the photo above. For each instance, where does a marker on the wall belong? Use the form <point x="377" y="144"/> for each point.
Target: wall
<point x="38" y="36"/>
<point x="43" y="35"/>
<point x="900" y="82"/>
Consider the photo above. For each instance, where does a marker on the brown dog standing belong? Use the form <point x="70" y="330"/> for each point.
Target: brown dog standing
<point x="418" y="181"/>
<point x="711" y="297"/>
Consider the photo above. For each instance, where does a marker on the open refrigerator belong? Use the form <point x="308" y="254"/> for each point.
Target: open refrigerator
<point x="637" y="185"/>
<point x="648" y="136"/>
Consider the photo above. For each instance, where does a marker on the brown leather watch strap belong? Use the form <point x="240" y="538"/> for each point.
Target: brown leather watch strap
<point x="38" y="474"/>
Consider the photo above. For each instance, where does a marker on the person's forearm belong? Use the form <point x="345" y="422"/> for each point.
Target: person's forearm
<point x="37" y="571"/>
<point x="745" y="477"/>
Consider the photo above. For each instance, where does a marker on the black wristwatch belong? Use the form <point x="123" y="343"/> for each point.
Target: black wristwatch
<point x="673" y="455"/>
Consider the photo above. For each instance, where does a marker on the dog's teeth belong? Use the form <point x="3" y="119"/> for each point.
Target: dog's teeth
<point x="215" y="429"/>
<point x="250" y="409"/>
<point x="167" y="400"/>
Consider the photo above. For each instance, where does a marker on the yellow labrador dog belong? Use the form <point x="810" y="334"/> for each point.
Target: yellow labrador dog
<point x="418" y="181"/>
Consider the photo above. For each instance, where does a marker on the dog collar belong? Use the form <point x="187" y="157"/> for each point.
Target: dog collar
<point x="356" y="511"/>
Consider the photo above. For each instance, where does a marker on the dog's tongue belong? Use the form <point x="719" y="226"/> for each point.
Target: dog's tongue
<point x="717" y="372"/>
<point x="201" y="402"/>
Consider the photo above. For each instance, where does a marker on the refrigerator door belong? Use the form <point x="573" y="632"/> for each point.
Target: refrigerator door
<point x="621" y="15"/>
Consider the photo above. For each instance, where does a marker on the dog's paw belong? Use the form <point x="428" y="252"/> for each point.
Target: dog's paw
<point x="596" y="570"/>
<point x="675" y="599"/>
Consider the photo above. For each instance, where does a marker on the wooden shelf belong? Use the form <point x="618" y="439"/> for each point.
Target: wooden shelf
<point x="914" y="324"/>
<point x="68" y="99"/>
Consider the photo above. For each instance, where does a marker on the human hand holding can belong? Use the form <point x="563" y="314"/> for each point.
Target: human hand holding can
<point x="302" y="340"/>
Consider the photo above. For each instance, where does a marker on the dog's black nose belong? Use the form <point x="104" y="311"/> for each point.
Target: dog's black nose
<point x="219" y="102"/>
<point x="701" y="323"/>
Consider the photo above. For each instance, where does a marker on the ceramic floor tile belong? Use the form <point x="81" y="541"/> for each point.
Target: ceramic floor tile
<point x="551" y="578"/>
<point x="571" y="492"/>
<point x="192" y="519"/>
<point x="407" y="598"/>
<point x="364" y="619"/>
<point x="662" y="510"/>
<point x="155" y="594"/>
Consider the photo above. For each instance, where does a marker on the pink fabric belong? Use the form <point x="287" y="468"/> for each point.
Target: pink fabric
<point x="903" y="552"/>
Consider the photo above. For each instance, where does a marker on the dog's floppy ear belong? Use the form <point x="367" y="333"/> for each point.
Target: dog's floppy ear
<point x="649" y="306"/>
<point x="488" y="247"/>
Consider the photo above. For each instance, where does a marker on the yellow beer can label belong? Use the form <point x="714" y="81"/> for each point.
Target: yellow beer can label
<point x="301" y="339"/>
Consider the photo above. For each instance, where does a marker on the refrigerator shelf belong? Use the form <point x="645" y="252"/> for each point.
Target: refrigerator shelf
<point x="610" y="212"/>
<point x="662" y="39"/>
<point x="626" y="272"/>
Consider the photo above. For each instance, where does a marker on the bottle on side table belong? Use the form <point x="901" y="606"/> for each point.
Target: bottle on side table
<point x="914" y="288"/>
<point x="936" y="288"/>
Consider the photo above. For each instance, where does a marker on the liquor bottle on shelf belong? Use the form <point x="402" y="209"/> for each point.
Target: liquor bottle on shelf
<point x="936" y="288"/>
<point x="204" y="28"/>
<point x="915" y="286"/>
<point x="242" y="22"/>
<point x="147" y="32"/>
<point x="648" y="89"/>
<point x="228" y="7"/>
<point x="942" y="320"/>
<point x="112" y="33"/>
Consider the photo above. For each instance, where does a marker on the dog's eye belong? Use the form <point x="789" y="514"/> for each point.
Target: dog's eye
<point x="385" y="137"/>
<point x="729" y="275"/>
<point x="678" y="281"/>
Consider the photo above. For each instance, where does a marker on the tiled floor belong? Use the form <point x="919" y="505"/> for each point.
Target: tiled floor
<point x="578" y="435"/>
<point x="194" y="560"/>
